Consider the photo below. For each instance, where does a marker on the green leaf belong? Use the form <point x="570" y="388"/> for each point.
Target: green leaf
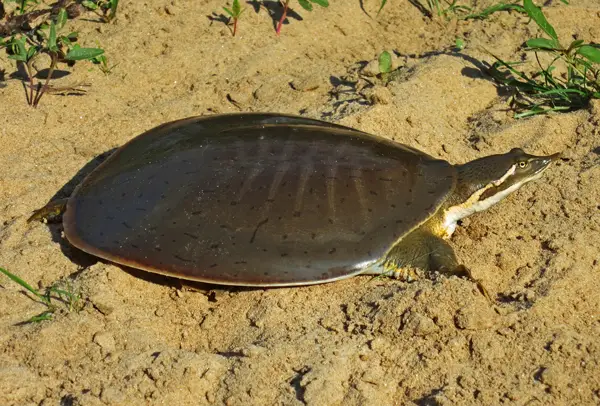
<point x="322" y="3"/>
<point x="459" y="43"/>
<point x="113" y="7"/>
<point x="542" y="43"/>
<point x="385" y="62"/>
<point x="536" y="15"/>
<point x="89" y="5"/>
<point x="52" y="38"/>
<point x="61" y="18"/>
<point x="576" y="44"/>
<point x="590" y="52"/>
<point x="381" y="6"/>
<point x="31" y="53"/>
<point x="236" y="8"/>
<point x="228" y="11"/>
<point x="305" y="5"/>
<point x="79" y="54"/>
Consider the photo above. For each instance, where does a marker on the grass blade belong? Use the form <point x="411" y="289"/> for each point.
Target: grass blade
<point x="494" y="9"/>
<point x="24" y="284"/>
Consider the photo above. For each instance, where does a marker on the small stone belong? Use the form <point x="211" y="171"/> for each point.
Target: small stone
<point x="307" y="83"/>
<point x="554" y="377"/>
<point x="378" y="95"/>
<point x="475" y="317"/>
<point x="371" y="69"/>
<point x="105" y="340"/>
<point x="112" y="396"/>
<point x="418" y="324"/>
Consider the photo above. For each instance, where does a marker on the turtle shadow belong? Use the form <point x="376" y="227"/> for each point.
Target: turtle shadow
<point x="213" y="291"/>
<point x="77" y="256"/>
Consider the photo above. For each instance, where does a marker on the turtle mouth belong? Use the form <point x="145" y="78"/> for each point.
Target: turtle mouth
<point x="543" y="163"/>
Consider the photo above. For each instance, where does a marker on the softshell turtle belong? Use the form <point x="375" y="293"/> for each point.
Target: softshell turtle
<point x="276" y="200"/>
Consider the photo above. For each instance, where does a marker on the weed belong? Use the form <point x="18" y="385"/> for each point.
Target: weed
<point x="452" y="9"/>
<point x="32" y="30"/>
<point x="106" y="9"/>
<point x="102" y="62"/>
<point x="381" y="6"/>
<point x="305" y="4"/>
<point x="548" y="90"/>
<point x="234" y="12"/>
<point x="71" y="300"/>
<point x="385" y="62"/>
<point x="485" y="13"/>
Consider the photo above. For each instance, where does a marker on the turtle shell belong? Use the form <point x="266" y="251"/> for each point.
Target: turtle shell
<point x="255" y="200"/>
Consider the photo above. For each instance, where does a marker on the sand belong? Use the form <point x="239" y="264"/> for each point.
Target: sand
<point x="141" y="339"/>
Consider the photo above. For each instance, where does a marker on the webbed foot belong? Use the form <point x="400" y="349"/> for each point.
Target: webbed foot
<point x="50" y="213"/>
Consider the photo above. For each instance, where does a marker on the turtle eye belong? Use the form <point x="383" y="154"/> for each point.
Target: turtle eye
<point x="523" y="164"/>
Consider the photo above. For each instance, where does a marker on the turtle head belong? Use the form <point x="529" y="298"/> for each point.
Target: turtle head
<point x="486" y="181"/>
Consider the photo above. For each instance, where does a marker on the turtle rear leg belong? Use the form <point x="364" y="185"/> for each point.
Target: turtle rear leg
<point x="50" y="213"/>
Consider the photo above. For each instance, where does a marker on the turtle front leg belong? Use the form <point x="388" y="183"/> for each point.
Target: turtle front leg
<point x="424" y="250"/>
<point x="50" y="213"/>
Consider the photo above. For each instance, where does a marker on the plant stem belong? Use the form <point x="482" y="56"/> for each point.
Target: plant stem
<point x="235" y="26"/>
<point x="283" y="16"/>
<point x="41" y="92"/>
<point x="31" y="84"/>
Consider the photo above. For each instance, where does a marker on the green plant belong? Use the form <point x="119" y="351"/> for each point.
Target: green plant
<point x="71" y="300"/>
<point x="234" y="12"/>
<point x="485" y="13"/>
<point x="381" y="6"/>
<point x="106" y="9"/>
<point x="102" y="62"/>
<point x="305" y="4"/>
<point x="446" y="8"/>
<point x="566" y="83"/>
<point x="385" y="62"/>
<point x="25" y="46"/>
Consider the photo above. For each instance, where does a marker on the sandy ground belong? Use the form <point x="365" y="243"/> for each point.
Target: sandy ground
<point x="142" y="339"/>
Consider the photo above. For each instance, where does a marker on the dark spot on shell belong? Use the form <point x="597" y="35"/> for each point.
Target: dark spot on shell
<point x="332" y="251"/>
<point x="284" y="237"/>
<point x="213" y="265"/>
<point x="126" y="225"/>
<point x="285" y="254"/>
<point x="195" y="237"/>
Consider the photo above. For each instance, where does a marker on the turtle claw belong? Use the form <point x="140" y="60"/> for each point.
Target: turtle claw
<point x="466" y="273"/>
